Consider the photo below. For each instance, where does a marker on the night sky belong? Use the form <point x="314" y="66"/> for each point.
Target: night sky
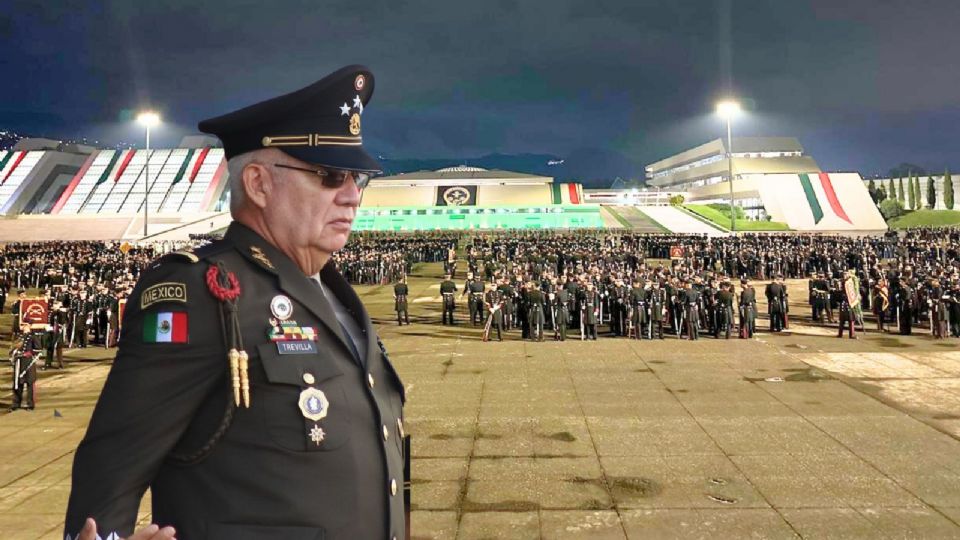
<point x="864" y="84"/>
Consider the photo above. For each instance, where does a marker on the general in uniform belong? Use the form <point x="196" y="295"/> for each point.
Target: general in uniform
<point x="250" y="391"/>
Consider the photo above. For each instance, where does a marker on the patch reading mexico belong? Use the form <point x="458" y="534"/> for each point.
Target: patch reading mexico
<point x="165" y="327"/>
<point x="163" y="292"/>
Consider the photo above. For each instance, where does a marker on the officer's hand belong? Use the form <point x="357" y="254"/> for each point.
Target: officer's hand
<point x="150" y="532"/>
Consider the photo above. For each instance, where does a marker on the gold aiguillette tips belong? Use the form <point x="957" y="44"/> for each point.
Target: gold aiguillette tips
<point x="234" y="358"/>
<point x="245" y="378"/>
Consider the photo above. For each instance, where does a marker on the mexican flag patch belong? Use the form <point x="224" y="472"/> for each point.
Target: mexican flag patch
<point x="165" y="327"/>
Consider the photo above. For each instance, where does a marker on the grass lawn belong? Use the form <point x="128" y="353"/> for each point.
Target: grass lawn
<point x="723" y="219"/>
<point x="926" y="218"/>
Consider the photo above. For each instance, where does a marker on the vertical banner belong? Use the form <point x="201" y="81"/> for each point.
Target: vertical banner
<point x="456" y="195"/>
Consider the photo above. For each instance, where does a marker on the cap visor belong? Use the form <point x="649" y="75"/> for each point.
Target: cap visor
<point x="351" y="158"/>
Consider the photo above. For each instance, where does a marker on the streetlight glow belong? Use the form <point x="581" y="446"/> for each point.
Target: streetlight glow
<point x="729" y="109"/>
<point x="148" y="119"/>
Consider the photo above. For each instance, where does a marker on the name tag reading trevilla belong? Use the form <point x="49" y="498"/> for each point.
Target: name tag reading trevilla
<point x="163" y="292"/>
<point x="296" y="347"/>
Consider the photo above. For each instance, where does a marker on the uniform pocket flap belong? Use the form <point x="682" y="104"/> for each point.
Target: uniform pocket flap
<point x="291" y="368"/>
<point x="236" y="531"/>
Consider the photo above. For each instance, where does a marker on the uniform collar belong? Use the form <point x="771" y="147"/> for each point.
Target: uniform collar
<point x="298" y="285"/>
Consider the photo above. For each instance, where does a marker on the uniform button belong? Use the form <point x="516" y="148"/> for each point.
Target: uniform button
<point x="309" y="378"/>
<point x="400" y="427"/>
<point x="386" y="432"/>
<point x="393" y="487"/>
<point x="370" y="379"/>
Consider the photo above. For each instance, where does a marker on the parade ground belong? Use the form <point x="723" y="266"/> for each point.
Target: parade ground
<point x="793" y="435"/>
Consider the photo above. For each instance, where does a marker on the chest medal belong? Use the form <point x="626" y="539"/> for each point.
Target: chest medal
<point x="314" y="406"/>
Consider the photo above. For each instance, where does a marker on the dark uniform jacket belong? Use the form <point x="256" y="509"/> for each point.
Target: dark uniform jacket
<point x="163" y="404"/>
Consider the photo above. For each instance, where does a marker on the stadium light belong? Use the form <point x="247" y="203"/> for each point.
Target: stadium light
<point x="147" y="119"/>
<point x="729" y="109"/>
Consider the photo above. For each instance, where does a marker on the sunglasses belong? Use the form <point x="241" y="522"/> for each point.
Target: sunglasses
<point x="333" y="178"/>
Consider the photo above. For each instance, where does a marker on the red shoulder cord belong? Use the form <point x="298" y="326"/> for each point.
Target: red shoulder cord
<point x="225" y="288"/>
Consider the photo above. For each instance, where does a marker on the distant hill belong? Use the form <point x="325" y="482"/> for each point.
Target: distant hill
<point x="592" y="167"/>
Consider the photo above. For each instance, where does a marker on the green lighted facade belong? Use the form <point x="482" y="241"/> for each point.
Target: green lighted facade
<point x="412" y="218"/>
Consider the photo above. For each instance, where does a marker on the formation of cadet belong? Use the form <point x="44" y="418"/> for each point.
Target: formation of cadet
<point x="378" y="258"/>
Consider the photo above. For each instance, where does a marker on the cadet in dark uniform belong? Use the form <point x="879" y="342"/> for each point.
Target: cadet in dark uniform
<point x="250" y="391"/>
<point x="562" y="316"/>
<point x="494" y="312"/>
<point x="447" y="290"/>
<point x="724" y="309"/>
<point x="590" y="311"/>
<point x="23" y="357"/>
<point x="535" y="309"/>
<point x="691" y="303"/>
<point x="474" y="287"/>
<point x="638" y="315"/>
<point x="400" y="292"/>
<point x="775" y="305"/>
<point x="748" y="309"/>
<point x="906" y="306"/>
<point x="657" y="303"/>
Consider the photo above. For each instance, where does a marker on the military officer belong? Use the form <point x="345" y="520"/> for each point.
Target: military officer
<point x="494" y="303"/>
<point x="250" y="391"/>
<point x="691" y="302"/>
<point x="474" y="287"/>
<point x="589" y="311"/>
<point x="447" y="290"/>
<point x="657" y="304"/>
<point x="638" y="315"/>
<point x="535" y="315"/>
<point x="24" y="353"/>
<point x="776" y="294"/>
<point x="562" y="315"/>
<point x="400" y="292"/>
<point x="747" y="304"/>
<point x="724" y="307"/>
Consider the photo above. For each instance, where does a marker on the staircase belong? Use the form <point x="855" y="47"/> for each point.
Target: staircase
<point x="678" y="221"/>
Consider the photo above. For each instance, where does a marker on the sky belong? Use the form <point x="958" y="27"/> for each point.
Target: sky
<point x="864" y="84"/>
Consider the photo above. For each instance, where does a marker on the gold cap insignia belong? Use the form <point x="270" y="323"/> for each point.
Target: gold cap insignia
<point x="355" y="124"/>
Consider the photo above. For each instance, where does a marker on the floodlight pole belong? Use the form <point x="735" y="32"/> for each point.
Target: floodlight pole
<point x="733" y="213"/>
<point x="146" y="184"/>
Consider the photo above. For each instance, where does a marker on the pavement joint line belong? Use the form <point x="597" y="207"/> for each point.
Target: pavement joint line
<point x="462" y="496"/>
<point x="593" y="441"/>
<point x="870" y="463"/>
<point x="726" y="455"/>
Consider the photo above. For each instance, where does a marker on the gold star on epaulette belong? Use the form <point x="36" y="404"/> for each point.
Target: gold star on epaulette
<point x="260" y="256"/>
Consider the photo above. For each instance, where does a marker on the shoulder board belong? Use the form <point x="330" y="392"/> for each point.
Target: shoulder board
<point x="212" y="248"/>
<point x="186" y="254"/>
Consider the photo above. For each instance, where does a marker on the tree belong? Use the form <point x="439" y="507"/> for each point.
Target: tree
<point x="882" y="191"/>
<point x="918" y="193"/>
<point x="911" y="193"/>
<point x="931" y="193"/>
<point x="891" y="208"/>
<point x="873" y="191"/>
<point x="947" y="190"/>
<point x="893" y="189"/>
<point x="901" y="195"/>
